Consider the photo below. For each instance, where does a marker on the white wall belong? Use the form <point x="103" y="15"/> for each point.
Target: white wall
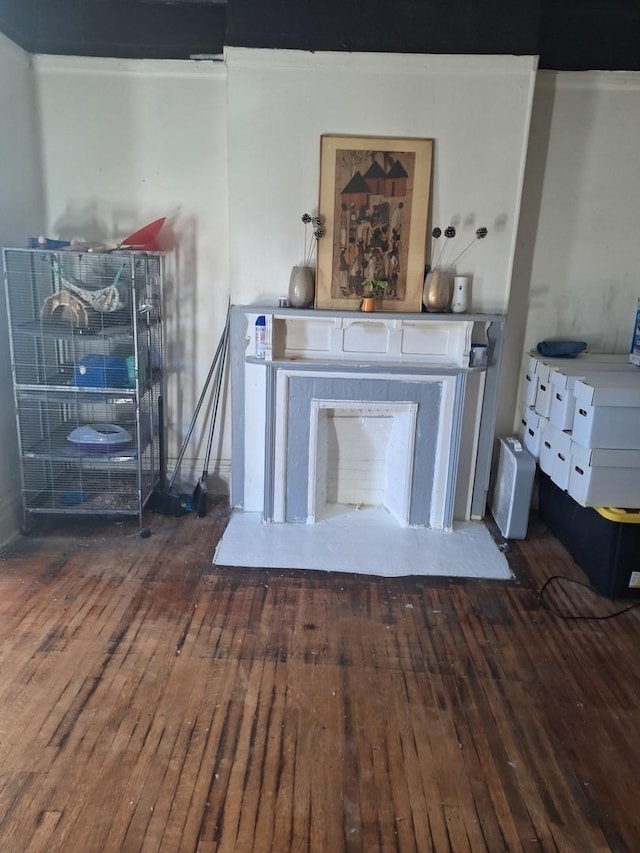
<point x="581" y="251"/>
<point x="127" y="141"/>
<point x="21" y="213"/>
<point x="476" y="108"/>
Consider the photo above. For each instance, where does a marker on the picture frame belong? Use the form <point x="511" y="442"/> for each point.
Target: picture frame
<point x="374" y="203"/>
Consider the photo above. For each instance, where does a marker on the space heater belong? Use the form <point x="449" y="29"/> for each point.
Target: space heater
<point x="512" y="488"/>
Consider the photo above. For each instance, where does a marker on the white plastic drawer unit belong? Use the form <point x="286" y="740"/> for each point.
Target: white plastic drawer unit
<point x="563" y="379"/>
<point x="542" y="404"/>
<point x="530" y="386"/>
<point x="563" y="406"/>
<point x="601" y="477"/>
<point x="555" y="454"/>
<point x="607" y="412"/>
<point x="544" y="389"/>
<point x="532" y="424"/>
<point x="538" y="390"/>
<point x="545" y="456"/>
<point x="536" y="371"/>
<point x="544" y="367"/>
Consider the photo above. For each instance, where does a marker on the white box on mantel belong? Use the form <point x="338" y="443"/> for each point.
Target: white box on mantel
<point x="607" y="412"/>
<point x="600" y="477"/>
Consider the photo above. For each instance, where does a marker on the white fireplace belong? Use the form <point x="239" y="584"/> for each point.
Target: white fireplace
<point x="428" y="467"/>
<point x="347" y="411"/>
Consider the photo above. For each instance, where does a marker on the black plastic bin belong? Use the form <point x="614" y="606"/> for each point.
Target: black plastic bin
<point x="607" y="550"/>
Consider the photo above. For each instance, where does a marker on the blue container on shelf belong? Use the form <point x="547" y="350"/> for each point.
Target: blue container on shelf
<point x="101" y="371"/>
<point x="46" y="243"/>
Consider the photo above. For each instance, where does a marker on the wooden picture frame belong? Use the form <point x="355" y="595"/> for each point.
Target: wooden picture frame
<point x="374" y="201"/>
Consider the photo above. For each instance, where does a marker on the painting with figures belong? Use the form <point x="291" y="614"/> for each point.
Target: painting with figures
<point x="374" y="195"/>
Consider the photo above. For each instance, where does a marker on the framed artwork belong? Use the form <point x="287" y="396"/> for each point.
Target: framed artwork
<point x="374" y="201"/>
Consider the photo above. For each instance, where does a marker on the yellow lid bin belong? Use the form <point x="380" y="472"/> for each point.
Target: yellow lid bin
<point x="624" y="516"/>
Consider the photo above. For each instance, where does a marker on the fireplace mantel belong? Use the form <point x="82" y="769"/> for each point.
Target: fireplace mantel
<point x="439" y="340"/>
<point x="347" y="348"/>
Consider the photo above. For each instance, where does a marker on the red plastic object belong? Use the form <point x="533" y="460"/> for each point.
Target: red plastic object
<point x="145" y="238"/>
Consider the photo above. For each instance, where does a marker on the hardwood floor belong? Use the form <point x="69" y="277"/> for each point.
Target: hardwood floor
<point x="149" y="702"/>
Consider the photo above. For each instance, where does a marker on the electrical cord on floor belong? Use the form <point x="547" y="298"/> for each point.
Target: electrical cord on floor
<point x="544" y="604"/>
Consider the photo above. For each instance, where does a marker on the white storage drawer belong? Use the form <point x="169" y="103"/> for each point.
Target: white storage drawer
<point x="610" y="389"/>
<point x="563" y="379"/>
<point x="545" y="457"/>
<point x="543" y="397"/>
<point x="542" y="403"/>
<point x="524" y="417"/>
<point x="605" y="477"/>
<point x="584" y="364"/>
<point x="607" y="412"/>
<point x="606" y="427"/>
<point x="563" y="406"/>
<point x="530" y="386"/>
<point x="555" y="454"/>
<point x="537" y="371"/>
<point x="532" y="424"/>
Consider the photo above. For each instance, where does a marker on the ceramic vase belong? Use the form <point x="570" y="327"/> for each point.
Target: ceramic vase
<point x="438" y="290"/>
<point x="301" y="287"/>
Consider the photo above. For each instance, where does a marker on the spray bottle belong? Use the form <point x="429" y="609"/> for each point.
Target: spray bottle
<point x="260" y="337"/>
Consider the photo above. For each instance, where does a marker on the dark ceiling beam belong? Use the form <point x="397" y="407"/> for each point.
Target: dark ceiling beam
<point x="584" y="35"/>
<point x="568" y="35"/>
<point x="402" y="26"/>
<point x="115" y="28"/>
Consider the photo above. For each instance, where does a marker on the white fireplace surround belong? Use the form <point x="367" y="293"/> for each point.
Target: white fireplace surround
<point x="285" y="461"/>
<point x="329" y="371"/>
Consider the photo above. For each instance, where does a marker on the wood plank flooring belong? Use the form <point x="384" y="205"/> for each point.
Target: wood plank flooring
<point x="149" y="702"/>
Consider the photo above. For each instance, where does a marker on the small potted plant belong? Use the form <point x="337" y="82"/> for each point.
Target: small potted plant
<point x="372" y="289"/>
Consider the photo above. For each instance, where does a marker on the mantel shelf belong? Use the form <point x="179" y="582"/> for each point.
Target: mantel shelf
<point x="372" y="364"/>
<point x="429" y="317"/>
<point x="383" y="340"/>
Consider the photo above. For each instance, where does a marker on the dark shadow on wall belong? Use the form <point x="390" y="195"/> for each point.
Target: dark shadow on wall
<point x="533" y="183"/>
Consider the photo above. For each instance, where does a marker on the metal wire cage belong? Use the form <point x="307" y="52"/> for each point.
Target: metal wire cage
<point x="86" y="354"/>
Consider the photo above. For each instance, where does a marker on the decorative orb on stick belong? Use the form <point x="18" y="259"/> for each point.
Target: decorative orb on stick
<point x="449" y="233"/>
<point x="481" y="233"/>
